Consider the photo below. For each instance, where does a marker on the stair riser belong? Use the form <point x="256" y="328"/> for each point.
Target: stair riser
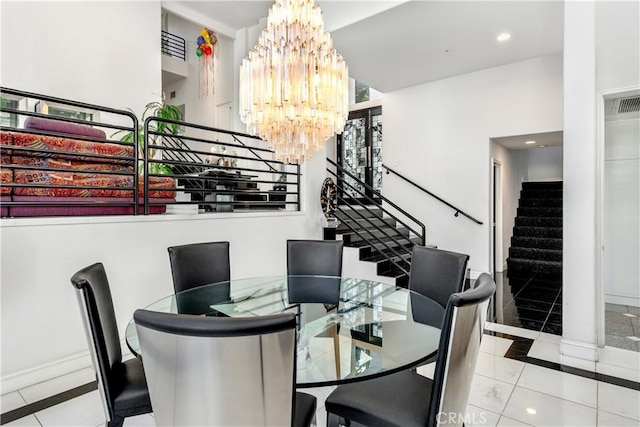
<point x="384" y="265"/>
<point x="551" y="185"/>
<point x="342" y="212"/>
<point x="396" y="233"/>
<point x="541" y="203"/>
<point x="544" y="232"/>
<point x="369" y="223"/>
<point x="535" y="254"/>
<point x="526" y="266"/>
<point x="541" y="194"/>
<point x="531" y="221"/>
<point x="532" y="242"/>
<point x="367" y="250"/>
<point x="540" y="212"/>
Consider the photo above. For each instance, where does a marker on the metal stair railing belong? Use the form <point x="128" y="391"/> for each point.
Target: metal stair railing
<point x="220" y="187"/>
<point x="374" y="240"/>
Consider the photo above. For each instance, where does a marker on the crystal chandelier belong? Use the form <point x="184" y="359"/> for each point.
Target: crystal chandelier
<point x="294" y="86"/>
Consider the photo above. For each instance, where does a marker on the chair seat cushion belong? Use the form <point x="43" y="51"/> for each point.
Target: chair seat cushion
<point x="305" y="409"/>
<point x="400" y="399"/>
<point x="130" y="389"/>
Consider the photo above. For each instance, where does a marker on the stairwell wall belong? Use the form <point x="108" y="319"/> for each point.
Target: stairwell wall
<point x="438" y="135"/>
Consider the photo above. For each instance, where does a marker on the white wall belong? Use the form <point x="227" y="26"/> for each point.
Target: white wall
<point x="202" y="110"/>
<point x="438" y="135"/>
<point x="60" y="49"/>
<point x="621" y="212"/>
<point x="601" y="53"/>
<point x="514" y="172"/>
<point x="545" y="164"/>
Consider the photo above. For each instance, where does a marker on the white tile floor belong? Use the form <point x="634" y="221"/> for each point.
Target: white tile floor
<point x="505" y="392"/>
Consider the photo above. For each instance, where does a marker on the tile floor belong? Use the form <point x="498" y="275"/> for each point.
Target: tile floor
<point x="535" y="303"/>
<point x="520" y="379"/>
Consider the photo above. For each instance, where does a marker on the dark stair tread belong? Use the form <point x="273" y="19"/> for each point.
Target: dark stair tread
<point x="542" y="232"/>
<point x="341" y="213"/>
<point x="539" y="242"/>
<point x="538" y="221"/>
<point x="404" y="241"/>
<point x="535" y="266"/>
<point x="540" y="212"/>
<point x="391" y="233"/>
<point x="541" y="203"/>
<point x="535" y="253"/>
<point x="385" y="254"/>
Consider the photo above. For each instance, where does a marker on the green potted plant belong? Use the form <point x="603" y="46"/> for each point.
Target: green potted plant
<point x="157" y="109"/>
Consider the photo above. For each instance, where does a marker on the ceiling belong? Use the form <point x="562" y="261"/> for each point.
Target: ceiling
<point x="542" y="140"/>
<point x="390" y="45"/>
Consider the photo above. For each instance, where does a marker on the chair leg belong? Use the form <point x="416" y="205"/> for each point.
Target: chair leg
<point x="334" y="420"/>
<point x="117" y="421"/>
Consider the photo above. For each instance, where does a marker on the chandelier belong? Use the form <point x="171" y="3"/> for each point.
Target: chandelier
<point x="294" y="86"/>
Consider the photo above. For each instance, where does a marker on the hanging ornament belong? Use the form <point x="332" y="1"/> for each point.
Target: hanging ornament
<point x="205" y="51"/>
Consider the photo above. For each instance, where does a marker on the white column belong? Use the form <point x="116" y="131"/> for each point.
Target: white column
<point x="579" y="165"/>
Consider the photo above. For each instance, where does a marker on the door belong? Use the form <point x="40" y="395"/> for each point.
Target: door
<point x="360" y="154"/>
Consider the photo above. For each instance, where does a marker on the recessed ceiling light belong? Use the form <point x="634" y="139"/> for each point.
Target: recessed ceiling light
<point x="529" y="142"/>
<point x="531" y="411"/>
<point x="504" y="36"/>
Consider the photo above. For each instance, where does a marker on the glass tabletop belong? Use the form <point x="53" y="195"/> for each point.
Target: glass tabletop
<point x="348" y="329"/>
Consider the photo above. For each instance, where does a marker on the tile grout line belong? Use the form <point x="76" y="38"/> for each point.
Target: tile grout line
<point x="528" y="342"/>
<point x="48" y="402"/>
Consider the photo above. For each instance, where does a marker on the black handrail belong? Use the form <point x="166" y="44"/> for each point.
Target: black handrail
<point x="254" y="153"/>
<point x="173" y="45"/>
<point x="380" y="196"/>
<point x="458" y="211"/>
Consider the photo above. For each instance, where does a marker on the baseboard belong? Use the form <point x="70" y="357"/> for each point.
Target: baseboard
<point x="579" y="350"/>
<point x="44" y="372"/>
<point x="52" y="370"/>
<point x="622" y="300"/>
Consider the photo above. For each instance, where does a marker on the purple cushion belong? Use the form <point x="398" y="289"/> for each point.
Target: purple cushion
<point x="63" y="127"/>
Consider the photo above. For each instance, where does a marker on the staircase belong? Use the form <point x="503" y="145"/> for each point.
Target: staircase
<point x="378" y="240"/>
<point x="536" y="245"/>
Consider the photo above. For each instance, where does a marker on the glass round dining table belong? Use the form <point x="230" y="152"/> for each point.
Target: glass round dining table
<point x="348" y="329"/>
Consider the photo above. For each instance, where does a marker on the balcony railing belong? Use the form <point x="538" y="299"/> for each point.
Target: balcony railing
<point x="173" y="46"/>
<point x="64" y="166"/>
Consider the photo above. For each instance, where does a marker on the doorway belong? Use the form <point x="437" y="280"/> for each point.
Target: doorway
<point x="359" y="152"/>
<point x="619" y="206"/>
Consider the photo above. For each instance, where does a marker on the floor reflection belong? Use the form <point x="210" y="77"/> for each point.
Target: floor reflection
<point x="536" y="303"/>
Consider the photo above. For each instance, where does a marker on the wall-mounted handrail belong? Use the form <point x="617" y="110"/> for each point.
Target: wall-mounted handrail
<point x="458" y="211"/>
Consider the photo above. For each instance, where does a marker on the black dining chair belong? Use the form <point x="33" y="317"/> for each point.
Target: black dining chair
<point x="437" y="274"/>
<point x="314" y="257"/>
<point x="213" y="371"/>
<point x="199" y="264"/>
<point x="122" y="384"/>
<point x="407" y="399"/>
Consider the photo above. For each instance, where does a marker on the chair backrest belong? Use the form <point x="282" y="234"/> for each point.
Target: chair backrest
<point x="199" y="264"/>
<point x="96" y="305"/>
<point x="314" y="257"/>
<point x="459" y="346"/>
<point x="219" y="371"/>
<point x="437" y="274"/>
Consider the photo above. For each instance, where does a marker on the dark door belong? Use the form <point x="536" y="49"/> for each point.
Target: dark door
<point x="360" y="154"/>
